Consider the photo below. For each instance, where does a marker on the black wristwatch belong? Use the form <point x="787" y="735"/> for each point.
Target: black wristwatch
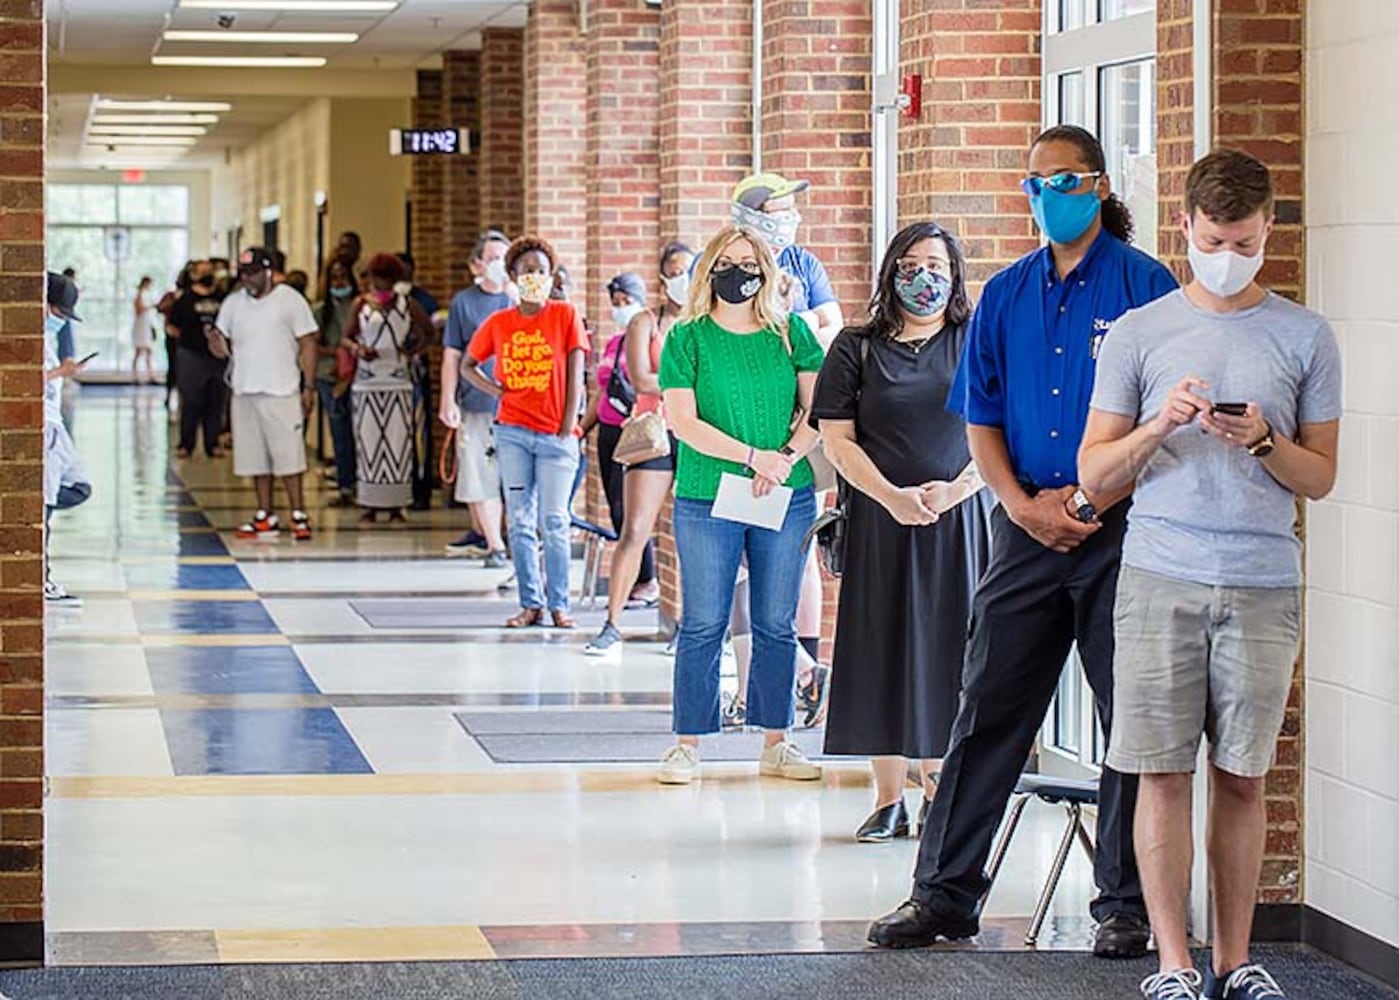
<point x="787" y="450"/>
<point x="1264" y="446"/>
<point x="1083" y="507"/>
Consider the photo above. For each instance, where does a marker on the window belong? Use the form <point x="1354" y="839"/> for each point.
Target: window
<point x="112" y="235"/>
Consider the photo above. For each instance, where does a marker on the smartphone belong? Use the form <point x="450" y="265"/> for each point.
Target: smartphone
<point x="88" y="358"/>
<point x="1230" y="409"/>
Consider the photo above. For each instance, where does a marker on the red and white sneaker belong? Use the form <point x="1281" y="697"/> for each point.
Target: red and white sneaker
<point x="263" y="525"/>
<point x="300" y="526"/>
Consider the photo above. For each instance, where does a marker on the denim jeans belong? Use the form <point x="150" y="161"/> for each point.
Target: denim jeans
<point x="537" y="472"/>
<point x="710" y="550"/>
<point x="342" y="433"/>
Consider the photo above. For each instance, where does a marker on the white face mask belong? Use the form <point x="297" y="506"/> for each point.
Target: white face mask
<point x="1223" y="273"/>
<point x="677" y="287"/>
<point x="495" y="271"/>
<point x="622" y="315"/>
<point x="403" y="287"/>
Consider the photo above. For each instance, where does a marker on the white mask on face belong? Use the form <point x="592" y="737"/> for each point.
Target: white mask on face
<point x="495" y="271"/>
<point x="622" y="315"/>
<point x="1223" y="273"/>
<point x="677" y="287"/>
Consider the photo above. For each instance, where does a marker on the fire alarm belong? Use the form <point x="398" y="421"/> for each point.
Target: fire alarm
<point x="911" y="96"/>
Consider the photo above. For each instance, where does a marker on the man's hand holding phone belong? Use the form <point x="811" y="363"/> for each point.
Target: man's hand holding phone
<point x="1183" y="405"/>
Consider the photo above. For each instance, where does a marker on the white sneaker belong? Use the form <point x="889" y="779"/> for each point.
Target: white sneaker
<point x="784" y="760"/>
<point x="56" y="596"/>
<point x="679" y="765"/>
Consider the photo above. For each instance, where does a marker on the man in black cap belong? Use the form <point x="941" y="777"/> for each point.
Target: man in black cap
<point x="270" y="333"/>
<point x="65" y="481"/>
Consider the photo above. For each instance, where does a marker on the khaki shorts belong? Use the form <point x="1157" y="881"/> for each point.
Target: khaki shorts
<point x="1195" y="660"/>
<point x="269" y="435"/>
<point x="478" y="473"/>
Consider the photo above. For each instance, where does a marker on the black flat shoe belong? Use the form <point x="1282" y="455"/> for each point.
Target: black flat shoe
<point x="923" y="811"/>
<point x="884" y="824"/>
<point x="1122" y="935"/>
<point x="916" y="925"/>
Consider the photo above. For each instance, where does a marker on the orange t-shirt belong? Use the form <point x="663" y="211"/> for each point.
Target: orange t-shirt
<point x="531" y="362"/>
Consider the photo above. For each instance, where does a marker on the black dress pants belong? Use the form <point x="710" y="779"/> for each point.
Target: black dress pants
<point x="1031" y="606"/>
<point x="202" y="391"/>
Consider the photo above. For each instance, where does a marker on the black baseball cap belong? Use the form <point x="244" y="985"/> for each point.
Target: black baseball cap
<point x="256" y="259"/>
<point x="63" y="295"/>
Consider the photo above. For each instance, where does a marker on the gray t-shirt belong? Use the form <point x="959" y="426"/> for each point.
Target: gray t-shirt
<point x="468" y="311"/>
<point x="1203" y="511"/>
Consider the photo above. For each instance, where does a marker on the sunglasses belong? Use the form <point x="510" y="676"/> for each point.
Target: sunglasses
<point x="1059" y="183"/>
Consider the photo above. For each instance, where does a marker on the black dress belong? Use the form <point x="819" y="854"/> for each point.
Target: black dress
<point x="906" y="594"/>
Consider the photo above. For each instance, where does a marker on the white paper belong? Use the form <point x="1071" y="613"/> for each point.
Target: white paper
<point x="735" y="502"/>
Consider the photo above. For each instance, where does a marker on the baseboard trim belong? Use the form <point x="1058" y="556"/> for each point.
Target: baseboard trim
<point x="1295" y="923"/>
<point x="1277" y="923"/>
<point x="22" y="943"/>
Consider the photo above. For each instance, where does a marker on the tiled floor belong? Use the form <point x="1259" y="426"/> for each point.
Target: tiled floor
<point x="245" y="770"/>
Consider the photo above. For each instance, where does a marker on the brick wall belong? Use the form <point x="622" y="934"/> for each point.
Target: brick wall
<point x="960" y="162"/>
<point x="554" y="154"/>
<point x="430" y="193"/>
<point x="502" y="96"/>
<point x="1175" y="124"/>
<point x="21" y="472"/>
<point x="461" y="81"/>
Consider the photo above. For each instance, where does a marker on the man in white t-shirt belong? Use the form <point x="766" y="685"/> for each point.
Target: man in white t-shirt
<point x="269" y="331"/>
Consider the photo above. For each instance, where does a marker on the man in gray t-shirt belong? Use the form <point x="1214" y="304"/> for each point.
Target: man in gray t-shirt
<point x="1222" y="402"/>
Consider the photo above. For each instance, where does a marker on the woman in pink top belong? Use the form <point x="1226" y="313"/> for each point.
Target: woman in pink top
<point x="645" y="486"/>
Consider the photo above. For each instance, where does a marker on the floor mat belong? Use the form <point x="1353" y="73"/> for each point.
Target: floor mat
<point x="465" y="612"/>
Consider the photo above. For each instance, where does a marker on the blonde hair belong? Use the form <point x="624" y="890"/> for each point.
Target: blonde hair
<point x="769" y="305"/>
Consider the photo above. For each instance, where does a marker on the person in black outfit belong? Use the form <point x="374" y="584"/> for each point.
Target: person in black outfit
<point x="1024" y="387"/>
<point x="916" y="531"/>
<point x="199" y="373"/>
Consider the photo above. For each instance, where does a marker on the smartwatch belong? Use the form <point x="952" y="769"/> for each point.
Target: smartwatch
<point x="1083" y="507"/>
<point x="1264" y="446"/>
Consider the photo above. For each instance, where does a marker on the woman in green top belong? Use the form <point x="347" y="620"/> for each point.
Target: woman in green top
<point x="735" y="372"/>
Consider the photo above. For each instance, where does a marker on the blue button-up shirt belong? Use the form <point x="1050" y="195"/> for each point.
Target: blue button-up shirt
<point x="1032" y="350"/>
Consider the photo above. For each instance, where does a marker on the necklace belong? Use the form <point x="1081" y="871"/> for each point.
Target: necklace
<point x="916" y="344"/>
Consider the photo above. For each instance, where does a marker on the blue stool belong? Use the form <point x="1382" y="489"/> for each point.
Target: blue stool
<point x="1073" y="794"/>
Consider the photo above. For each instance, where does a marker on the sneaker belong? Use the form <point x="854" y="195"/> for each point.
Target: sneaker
<point x="670" y="646"/>
<point x="1247" y="982"/>
<point x="56" y="596"/>
<point x="784" y="760"/>
<point x="733" y="714"/>
<point x="300" y="526"/>
<point x="263" y="525"/>
<point x="499" y="559"/>
<point x="1182" y="984"/>
<point x="811" y="696"/>
<point x="679" y="765"/>
<point x="471" y="544"/>
<point x="606" y="641"/>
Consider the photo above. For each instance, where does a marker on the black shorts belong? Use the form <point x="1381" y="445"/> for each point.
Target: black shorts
<point x="666" y="463"/>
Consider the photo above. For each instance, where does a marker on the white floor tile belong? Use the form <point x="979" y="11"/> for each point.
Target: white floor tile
<point x="96" y="670"/>
<point x="105" y="741"/>
<point x="414" y="740"/>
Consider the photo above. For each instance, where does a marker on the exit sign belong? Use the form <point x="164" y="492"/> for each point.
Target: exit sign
<point x="428" y="141"/>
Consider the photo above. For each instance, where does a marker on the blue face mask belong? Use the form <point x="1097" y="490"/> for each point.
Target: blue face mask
<point x="924" y="292"/>
<point x="1064" y="217"/>
<point x="52" y="324"/>
<point x="341" y="291"/>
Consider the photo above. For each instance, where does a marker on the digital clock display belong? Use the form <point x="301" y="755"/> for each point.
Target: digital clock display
<point x="426" y="141"/>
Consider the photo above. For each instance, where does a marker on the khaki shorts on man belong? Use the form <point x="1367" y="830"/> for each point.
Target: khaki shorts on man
<point x="268" y="435"/>
<point x="478" y="472"/>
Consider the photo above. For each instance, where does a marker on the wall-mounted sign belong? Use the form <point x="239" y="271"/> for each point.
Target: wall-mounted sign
<point x="428" y="141"/>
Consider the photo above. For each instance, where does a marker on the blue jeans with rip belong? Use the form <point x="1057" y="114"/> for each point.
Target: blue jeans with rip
<point x="537" y="471"/>
<point x="710" y="550"/>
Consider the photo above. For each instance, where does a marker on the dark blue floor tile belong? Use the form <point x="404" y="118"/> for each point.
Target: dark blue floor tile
<point x="202" y="545"/>
<point x="173" y="576"/>
<point x="203" y="617"/>
<point x="228" y="670"/>
<point x="261" y="741"/>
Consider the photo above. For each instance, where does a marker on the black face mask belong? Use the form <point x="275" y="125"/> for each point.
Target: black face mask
<point x="204" y="285"/>
<point x="735" y="285"/>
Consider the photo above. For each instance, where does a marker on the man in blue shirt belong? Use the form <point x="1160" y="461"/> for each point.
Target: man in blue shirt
<point x="1024" y="387"/>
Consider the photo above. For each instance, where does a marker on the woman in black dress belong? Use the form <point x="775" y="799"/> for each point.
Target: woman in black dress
<point x="915" y="545"/>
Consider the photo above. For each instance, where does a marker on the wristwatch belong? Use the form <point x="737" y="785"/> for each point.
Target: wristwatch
<point x="1263" y="447"/>
<point x="787" y="450"/>
<point x="1083" y="507"/>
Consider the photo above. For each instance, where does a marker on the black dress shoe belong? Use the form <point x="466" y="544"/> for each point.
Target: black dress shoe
<point x="1122" y="935"/>
<point x="884" y="824"/>
<point x="916" y="925"/>
<point x="923" y="811"/>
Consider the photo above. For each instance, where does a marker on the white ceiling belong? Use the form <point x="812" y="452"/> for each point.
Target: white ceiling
<point x="104" y="48"/>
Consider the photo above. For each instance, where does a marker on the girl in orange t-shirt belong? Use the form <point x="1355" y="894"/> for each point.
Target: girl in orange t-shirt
<point x="538" y="347"/>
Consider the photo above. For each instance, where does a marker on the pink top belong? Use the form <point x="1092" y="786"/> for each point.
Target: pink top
<point x="615" y="353"/>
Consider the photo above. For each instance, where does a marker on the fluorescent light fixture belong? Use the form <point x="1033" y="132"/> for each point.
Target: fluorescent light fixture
<point x="154" y="119"/>
<point x="142" y="140"/>
<point x="107" y="104"/>
<point x="242" y="62"/>
<point x="98" y="128"/>
<point x="271" y="37"/>
<point x="300" y="6"/>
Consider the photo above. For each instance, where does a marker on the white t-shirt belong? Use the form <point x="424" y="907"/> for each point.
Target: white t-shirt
<point x="53" y="387"/>
<point x="264" y="334"/>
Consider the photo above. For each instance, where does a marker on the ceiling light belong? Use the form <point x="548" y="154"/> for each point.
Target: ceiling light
<point x="98" y="128"/>
<point x="107" y="104"/>
<point x="242" y="62"/>
<point x="154" y="119"/>
<point x="302" y="6"/>
<point x="142" y="140"/>
<point x="283" y="37"/>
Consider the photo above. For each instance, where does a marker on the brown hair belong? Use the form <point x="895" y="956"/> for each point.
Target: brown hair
<point x="524" y="245"/>
<point x="1228" y="185"/>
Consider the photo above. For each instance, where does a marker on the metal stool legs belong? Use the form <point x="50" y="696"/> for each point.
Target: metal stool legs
<point x="1074" y="830"/>
<point x="592" y="567"/>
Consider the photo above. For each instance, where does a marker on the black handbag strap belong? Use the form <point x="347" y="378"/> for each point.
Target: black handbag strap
<point x="842" y="487"/>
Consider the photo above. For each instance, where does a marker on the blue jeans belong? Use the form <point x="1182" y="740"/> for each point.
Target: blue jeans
<point x="342" y="433"/>
<point x="710" y="550"/>
<point x="537" y="472"/>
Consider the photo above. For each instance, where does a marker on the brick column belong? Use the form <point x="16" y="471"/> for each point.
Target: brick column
<point x="816" y="125"/>
<point x="1257" y="107"/>
<point x="960" y="162"/>
<point x="555" y="135"/>
<point x="461" y="80"/>
<point x="502" y="96"/>
<point x="21" y="474"/>
<point x="429" y="194"/>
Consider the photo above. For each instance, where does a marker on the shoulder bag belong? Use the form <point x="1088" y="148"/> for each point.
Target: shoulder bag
<point x="829" y="531"/>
